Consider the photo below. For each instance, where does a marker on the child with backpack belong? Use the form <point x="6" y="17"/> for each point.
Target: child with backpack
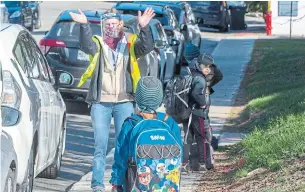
<point x="205" y="64"/>
<point x="148" y="151"/>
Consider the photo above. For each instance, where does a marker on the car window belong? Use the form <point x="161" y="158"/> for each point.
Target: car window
<point x="39" y="60"/>
<point x="67" y="30"/>
<point x="28" y="57"/>
<point x="173" y="20"/>
<point x="161" y="35"/>
<point x="20" y="55"/>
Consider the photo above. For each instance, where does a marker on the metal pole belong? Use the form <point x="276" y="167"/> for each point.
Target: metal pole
<point x="290" y="18"/>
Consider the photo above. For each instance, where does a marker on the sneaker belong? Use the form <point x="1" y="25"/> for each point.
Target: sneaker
<point x="202" y="167"/>
<point x="98" y="189"/>
<point x="185" y="167"/>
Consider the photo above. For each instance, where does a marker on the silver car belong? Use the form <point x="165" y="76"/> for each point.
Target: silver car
<point x="38" y="131"/>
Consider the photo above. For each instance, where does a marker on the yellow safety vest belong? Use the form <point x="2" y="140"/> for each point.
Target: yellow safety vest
<point x="134" y="67"/>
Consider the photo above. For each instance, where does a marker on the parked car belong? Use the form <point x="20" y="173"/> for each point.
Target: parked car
<point x="166" y="17"/>
<point x="186" y="18"/>
<point x="21" y="13"/>
<point x="8" y="158"/>
<point x="165" y="53"/>
<point x="35" y="6"/>
<point x="213" y="14"/>
<point x="29" y="96"/>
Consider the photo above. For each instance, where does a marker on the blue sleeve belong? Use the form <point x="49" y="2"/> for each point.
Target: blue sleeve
<point x="121" y="155"/>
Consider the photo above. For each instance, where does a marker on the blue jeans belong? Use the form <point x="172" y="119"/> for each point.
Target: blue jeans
<point x="101" y="115"/>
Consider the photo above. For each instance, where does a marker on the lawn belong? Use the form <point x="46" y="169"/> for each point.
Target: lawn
<point x="275" y="88"/>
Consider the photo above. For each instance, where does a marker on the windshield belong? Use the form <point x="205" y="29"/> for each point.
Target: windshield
<point x="12" y="3"/>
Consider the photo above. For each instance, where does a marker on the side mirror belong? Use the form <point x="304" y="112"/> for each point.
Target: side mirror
<point x="46" y="32"/>
<point x="174" y="42"/>
<point x="64" y="78"/>
<point x="10" y="116"/>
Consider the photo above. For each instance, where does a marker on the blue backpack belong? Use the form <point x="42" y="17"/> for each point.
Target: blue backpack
<point x="155" y="155"/>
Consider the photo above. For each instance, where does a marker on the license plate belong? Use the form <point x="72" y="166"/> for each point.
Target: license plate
<point x="82" y="56"/>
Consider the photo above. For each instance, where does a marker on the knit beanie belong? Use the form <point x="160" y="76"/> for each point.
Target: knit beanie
<point x="149" y="94"/>
<point x="205" y="59"/>
<point x="191" y="51"/>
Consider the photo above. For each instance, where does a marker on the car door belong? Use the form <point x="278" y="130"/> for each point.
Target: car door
<point x="178" y="36"/>
<point x="37" y="79"/>
<point x="55" y="101"/>
<point x="170" y="55"/>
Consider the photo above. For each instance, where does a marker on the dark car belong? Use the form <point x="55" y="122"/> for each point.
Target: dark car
<point x="186" y="18"/>
<point x="36" y="13"/>
<point x="20" y="12"/>
<point x="166" y="17"/>
<point x="165" y="54"/>
<point x="213" y="14"/>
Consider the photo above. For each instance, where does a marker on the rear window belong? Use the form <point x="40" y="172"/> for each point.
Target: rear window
<point x="66" y="30"/>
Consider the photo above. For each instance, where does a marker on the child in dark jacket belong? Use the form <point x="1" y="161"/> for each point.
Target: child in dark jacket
<point x="193" y="129"/>
<point x="148" y="97"/>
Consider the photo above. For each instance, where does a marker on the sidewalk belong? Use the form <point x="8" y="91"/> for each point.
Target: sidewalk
<point x="231" y="56"/>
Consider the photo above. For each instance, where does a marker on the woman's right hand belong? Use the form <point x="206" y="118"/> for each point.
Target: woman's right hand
<point x="79" y="17"/>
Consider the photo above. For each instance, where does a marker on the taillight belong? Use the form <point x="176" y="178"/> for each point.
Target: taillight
<point x="11" y="95"/>
<point x="46" y="44"/>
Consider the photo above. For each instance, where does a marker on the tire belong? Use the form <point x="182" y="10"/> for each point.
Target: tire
<point x="30" y="171"/>
<point x="10" y="184"/>
<point x="52" y="171"/>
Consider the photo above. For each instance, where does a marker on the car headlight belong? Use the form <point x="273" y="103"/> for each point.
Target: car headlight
<point x="15" y="14"/>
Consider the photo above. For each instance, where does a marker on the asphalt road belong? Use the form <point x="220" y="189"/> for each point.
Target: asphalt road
<point x="80" y="144"/>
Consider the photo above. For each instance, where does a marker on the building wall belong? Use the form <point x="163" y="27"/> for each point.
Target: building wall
<point x="281" y="24"/>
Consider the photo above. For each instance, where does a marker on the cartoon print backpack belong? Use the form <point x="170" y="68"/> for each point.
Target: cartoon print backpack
<point x="155" y="156"/>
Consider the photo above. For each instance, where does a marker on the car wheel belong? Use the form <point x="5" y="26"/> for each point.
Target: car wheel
<point x="52" y="171"/>
<point x="30" y="172"/>
<point x="10" y="182"/>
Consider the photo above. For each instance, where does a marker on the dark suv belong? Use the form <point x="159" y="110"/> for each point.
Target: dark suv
<point x="213" y="14"/>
